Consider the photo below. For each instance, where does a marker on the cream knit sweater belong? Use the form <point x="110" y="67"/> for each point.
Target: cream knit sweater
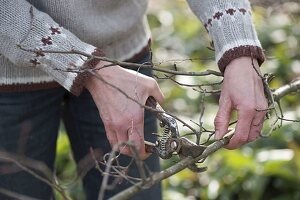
<point x="118" y="27"/>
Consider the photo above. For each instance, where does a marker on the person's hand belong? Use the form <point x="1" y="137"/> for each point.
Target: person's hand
<point x="242" y="91"/>
<point x="123" y="118"/>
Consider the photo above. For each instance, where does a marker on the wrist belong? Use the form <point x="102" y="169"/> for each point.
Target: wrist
<point x="242" y="67"/>
<point x="90" y="81"/>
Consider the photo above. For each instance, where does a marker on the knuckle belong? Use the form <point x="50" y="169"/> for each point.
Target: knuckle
<point x="109" y="125"/>
<point x="152" y="84"/>
<point x="217" y="122"/>
<point x="249" y="109"/>
<point x="254" y="135"/>
<point x="220" y="121"/>
<point x="242" y="140"/>
<point x="120" y="123"/>
<point x="265" y="107"/>
<point x="252" y="138"/>
<point x="125" y="151"/>
<point x="112" y="140"/>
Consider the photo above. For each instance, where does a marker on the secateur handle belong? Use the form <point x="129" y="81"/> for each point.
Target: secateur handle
<point x="160" y="113"/>
<point x="162" y="146"/>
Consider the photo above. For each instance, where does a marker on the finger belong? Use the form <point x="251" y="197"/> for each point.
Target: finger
<point x="122" y="138"/>
<point x="157" y="93"/>
<point x="256" y="125"/>
<point x="242" y="129"/>
<point x="260" y="114"/>
<point x="111" y="137"/>
<point x="255" y="132"/>
<point x="136" y="136"/>
<point x="222" y="118"/>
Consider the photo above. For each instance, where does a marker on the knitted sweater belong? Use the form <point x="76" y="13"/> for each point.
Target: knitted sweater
<point x="118" y="27"/>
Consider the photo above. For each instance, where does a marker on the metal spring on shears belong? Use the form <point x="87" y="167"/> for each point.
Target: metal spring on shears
<point x="164" y="138"/>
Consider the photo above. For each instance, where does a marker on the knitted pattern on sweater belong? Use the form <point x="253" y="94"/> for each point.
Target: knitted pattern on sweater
<point x="117" y="27"/>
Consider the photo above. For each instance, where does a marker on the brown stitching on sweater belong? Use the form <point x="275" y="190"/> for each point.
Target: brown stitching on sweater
<point x="90" y="64"/>
<point x="243" y="50"/>
<point x="205" y="26"/>
<point x="242" y="10"/>
<point x="218" y="15"/>
<point x="46" y="41"/>
<point x="39" y="53"/>
<point x="80" y="79"/>
<point x="35" y="62"/>
<point x="208" y="23"/>
<point x="230" y="11"/>
<point x="54" y="30"/>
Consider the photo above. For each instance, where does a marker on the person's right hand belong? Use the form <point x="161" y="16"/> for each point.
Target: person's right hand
<point x="123" y="118"/>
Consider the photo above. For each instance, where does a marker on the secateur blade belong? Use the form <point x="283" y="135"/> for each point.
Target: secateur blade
<point x="189" y="148"/>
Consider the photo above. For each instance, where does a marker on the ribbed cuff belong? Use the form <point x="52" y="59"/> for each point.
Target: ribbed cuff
<point x="236" y="52"/>
<point x="79" y="81"/>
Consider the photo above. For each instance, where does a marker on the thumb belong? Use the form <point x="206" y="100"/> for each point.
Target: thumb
<point x="157" y="93"/>
<point x="222" y="118"/>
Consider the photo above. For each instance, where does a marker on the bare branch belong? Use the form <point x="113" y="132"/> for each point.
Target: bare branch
<point x="182" y="164"/>
<point x="27" y="165"/>
<point x="293" y="86"/>
<point x="15" y="195"/>
<point x="128" y="64"/>
<point x="30" y="25"/>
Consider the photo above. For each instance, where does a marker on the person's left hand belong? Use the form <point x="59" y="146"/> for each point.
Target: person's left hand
<point x="242" y="91"/>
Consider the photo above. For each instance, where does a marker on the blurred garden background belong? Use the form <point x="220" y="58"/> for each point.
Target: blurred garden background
<point x="266" y="169"/>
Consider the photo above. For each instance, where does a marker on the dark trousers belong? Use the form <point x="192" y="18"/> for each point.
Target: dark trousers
<point x="29" y="123"/>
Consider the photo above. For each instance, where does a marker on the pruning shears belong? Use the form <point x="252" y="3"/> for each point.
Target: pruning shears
<point x="170" y="142"/>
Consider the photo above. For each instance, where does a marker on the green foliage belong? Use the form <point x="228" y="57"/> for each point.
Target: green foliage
<point x="66" y="169"/>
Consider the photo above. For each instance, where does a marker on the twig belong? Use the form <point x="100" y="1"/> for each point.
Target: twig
<point x="30" y="25"/>
<point x="104" y="184"/>
<point x="127" y="64"/>
<point x="202" y="109"/>
<point x="140" y="104"/>
<point x="293" y="86"/>
<point x="138" y="161"/>
<point x="26" y="163"/>
<point x="15" y="195"/>
<point x="182" y="164"/>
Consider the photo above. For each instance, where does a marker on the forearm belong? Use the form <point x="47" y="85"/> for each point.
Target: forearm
<point x="38" y="31"/>
<point x="230" y="25"/>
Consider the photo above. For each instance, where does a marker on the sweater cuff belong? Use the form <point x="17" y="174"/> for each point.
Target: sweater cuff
<point x="230" y="26"/>
<point x="63" y="67"/>
<point x="79" y="82"/>
<point x="236" y="52"/>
